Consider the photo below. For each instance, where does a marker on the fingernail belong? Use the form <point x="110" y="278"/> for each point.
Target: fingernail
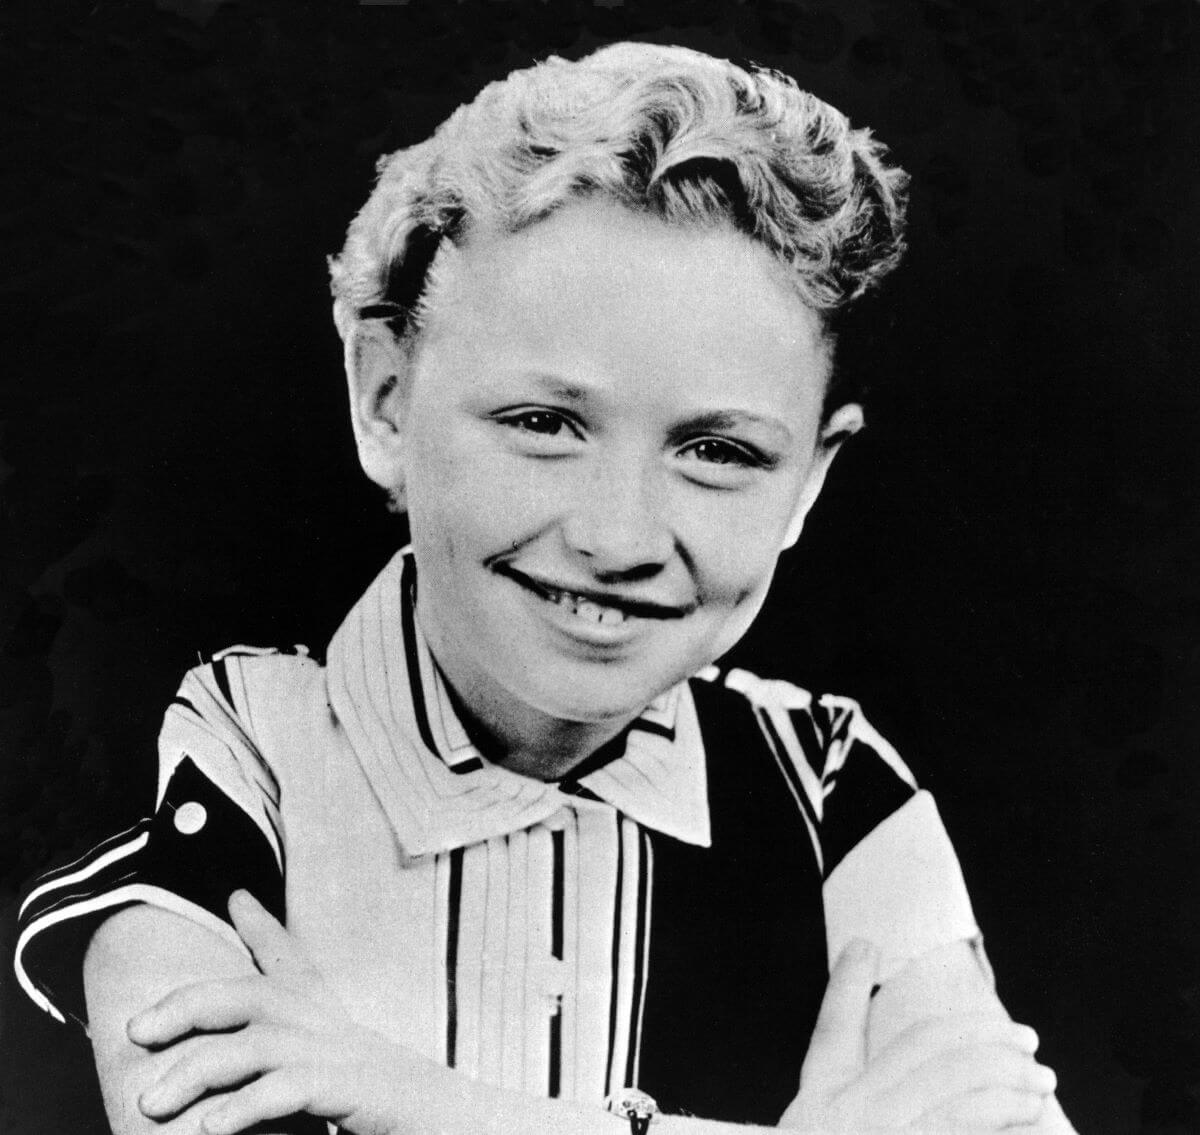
<point x="1026" y="1039"/>
<point x="1045" y="1078"/>
<point x="239" y="898"/>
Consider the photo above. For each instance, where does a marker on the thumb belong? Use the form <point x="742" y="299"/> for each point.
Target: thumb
<point x="837" y="1051"/>
<point x="275" y="951"/>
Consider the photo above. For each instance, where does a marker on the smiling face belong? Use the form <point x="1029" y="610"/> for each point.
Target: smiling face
<point x="609" y="428"/>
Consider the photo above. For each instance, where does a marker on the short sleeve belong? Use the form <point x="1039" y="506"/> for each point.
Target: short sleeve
<point x="215" y="828"/>
<point x="891" y="874"/>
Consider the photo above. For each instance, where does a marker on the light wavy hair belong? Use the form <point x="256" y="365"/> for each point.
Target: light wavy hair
<point x="660" y="130"/>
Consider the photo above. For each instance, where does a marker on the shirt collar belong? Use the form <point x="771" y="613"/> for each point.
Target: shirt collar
<point x="437" y="790"/>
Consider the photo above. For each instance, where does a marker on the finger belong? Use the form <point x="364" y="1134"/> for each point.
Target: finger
<point x="207" y="1006"/>
<point x="276" y="1095"/>
<point x="218" y="1062"/>
<point x="943" y="1036"/>
<point x="946" y="1077"/>
<point x="993" y="1109"/>
<point x="275" y="951"/>
<point x="837" y="1050"/>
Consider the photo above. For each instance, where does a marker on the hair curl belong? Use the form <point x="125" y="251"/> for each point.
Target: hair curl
<point x="662" y="130"/>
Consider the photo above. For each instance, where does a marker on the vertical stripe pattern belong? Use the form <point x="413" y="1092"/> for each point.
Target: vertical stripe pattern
<point x="545" y="935"/>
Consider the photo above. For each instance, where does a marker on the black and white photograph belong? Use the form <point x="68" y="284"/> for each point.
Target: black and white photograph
<point x="582" y="566"/>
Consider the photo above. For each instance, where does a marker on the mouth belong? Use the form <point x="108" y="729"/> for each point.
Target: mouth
<point x="597" y="608"/>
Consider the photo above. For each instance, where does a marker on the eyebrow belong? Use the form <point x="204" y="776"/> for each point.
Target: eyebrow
<point x="708" y="420"/>
<point x="717" y="420"/>
<point x="559" y="387"/>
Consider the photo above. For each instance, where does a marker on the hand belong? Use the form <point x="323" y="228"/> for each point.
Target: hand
<point x="967" y="1072"/>
<point x="283" y="1037"/>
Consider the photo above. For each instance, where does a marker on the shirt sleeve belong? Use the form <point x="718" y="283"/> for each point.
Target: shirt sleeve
<point x="214" y="828"/>
<point x="891" y="874"/>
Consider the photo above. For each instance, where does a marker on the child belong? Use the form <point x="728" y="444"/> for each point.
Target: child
<point x="532" y="848"/>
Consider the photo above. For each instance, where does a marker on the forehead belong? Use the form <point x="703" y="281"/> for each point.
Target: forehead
<point x="612" y="296"/>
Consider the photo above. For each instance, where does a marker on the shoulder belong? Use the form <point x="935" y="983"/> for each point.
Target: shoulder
<point x="823" y="730"/>
<point x="215" y="825"/>
<point x="238" y="677"/>
<point x="227" y="705"/>
<point x="834" y="712"/>
<point x="221" y="735"/>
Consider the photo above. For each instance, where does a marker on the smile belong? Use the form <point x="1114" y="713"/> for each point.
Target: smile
<point x="583" y="608"/>
<point x="593" y="607"/>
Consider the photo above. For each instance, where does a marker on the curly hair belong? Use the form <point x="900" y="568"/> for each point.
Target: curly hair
<point x="661" y="130"/>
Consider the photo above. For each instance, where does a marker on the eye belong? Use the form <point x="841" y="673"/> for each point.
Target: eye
<point x="540" y="431"/>
<point x="544" y="422"/>
<point x="723" y="463"/>
<point x="721" y="451"/>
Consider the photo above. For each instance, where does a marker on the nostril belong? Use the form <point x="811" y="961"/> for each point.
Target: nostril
<point x="635" y="574"/>
<point x="619" y="548"/>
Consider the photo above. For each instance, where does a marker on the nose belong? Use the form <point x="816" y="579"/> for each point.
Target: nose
<point x="617" y="522"/>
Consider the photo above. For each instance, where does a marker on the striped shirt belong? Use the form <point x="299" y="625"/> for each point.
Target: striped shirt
<point x="664" y="918"/>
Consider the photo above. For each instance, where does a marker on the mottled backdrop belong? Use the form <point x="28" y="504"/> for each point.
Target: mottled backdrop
<point x="1004" y="569"/>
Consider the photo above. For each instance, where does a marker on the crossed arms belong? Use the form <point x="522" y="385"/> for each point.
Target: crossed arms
<point x="192" y="1036"/>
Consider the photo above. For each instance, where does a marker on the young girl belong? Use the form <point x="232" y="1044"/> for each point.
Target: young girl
<point x="519" y="850"/>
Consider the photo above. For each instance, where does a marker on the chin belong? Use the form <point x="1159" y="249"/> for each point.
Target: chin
<point x="593" y="699"/>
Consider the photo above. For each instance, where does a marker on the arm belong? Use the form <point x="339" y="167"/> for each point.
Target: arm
<point x="143" y="954"/>
<point x="136" y="957"/>
<point x="273" y="1034"/>
<point x="944" y="982"/>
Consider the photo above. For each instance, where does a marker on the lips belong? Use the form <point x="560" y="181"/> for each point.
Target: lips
<point x="582" y="608"/>
<point x="603" y="608"/>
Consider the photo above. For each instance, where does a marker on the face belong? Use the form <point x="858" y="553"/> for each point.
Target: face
<point x="609" y="428"/>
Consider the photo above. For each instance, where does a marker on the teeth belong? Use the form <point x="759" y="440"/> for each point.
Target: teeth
<point x="585" y="609"/>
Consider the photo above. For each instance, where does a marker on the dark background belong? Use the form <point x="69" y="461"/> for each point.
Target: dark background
<point x="1004" y="569"/>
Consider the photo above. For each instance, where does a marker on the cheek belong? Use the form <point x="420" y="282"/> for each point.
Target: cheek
<point x="735" y="551"/>
<point x="729" y="626"/>
<point x="466" y="501"/>
<point x="745" y="596"/>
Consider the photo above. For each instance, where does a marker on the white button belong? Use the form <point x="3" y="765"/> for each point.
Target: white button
<point x="190" y="817"/>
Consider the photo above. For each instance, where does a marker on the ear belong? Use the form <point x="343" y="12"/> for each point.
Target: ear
<point x="378" y="374"/>
<point x="843" y="423"/>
